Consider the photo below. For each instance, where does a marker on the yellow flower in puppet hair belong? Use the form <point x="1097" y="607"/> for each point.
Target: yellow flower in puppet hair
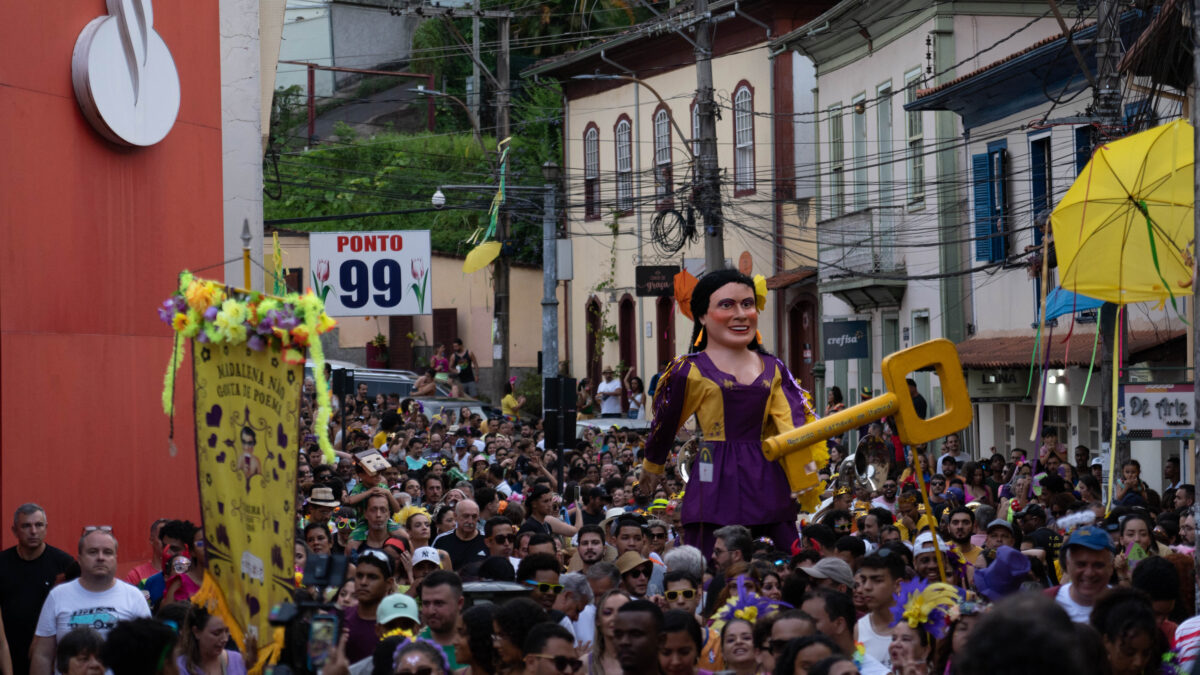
<point x="180" y="322"/>
<point x="760" y="292"/>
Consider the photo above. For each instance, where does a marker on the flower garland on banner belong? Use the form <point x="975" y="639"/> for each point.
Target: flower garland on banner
<point x="211" y="312"/>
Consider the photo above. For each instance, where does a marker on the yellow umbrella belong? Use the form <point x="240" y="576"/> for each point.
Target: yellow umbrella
<point x="1123" y="231"/>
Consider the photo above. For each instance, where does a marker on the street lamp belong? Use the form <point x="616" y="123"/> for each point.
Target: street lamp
<point x="687" y="143"/>
<point x="422" y="91"/>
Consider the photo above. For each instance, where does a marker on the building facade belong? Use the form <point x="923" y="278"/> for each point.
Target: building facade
<point x="630" y="128"/>
<point x="891" y="221"/>
<point x="1022" y="153"/>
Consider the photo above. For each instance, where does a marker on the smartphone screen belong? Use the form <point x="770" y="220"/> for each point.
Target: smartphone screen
<point x="322" y="639"/>
<point x="574" y="494"/>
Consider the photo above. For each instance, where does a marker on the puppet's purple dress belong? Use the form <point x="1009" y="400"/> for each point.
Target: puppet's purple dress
<point x="741" y="487"/>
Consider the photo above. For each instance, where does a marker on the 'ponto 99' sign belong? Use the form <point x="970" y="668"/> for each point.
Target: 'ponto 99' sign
<point x="372" y="273"/>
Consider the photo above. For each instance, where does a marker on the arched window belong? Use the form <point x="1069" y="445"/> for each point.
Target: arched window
<point x="627" y="333"/>
<point x="662" y="157"/>
<point x="591" y="172"/>
<point x="743" y="137"/>
<point x="624" y="145"/>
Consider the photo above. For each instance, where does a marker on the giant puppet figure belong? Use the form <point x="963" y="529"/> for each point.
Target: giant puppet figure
<point x="740" y="396"/>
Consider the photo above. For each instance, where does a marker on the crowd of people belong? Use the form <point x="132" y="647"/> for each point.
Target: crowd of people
<point x="473" y="548"/>
<point x="610" y="585"/>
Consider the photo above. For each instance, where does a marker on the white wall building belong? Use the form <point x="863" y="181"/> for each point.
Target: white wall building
<point x="891" y="216"/>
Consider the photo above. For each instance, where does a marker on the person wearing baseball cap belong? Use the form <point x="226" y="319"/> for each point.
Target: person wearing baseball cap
<point x="925" y="550"/>
<point x="1089" y="565"/>
<point x="425" y="560"/>
<point x="397" y="611"/>
<point x="831" y="573"/>
<point x="1000" y="532"/>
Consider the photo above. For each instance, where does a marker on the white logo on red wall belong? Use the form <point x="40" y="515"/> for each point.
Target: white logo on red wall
<point x="124" y="77"/>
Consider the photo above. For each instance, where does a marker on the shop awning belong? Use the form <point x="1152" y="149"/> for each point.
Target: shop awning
<point x="1014" y="350"/>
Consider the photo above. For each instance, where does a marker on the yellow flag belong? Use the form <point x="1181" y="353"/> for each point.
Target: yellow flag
<point x="247" y="427"/>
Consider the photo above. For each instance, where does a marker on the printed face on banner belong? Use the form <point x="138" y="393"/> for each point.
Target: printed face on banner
<point x="247" y="440"/>
<point x="372" y="273"/>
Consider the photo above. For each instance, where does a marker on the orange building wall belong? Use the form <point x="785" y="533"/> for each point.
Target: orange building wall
<point x="92" y="236"/>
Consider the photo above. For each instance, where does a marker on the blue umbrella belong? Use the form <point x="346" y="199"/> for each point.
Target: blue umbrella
<point x="1060" y="301"/>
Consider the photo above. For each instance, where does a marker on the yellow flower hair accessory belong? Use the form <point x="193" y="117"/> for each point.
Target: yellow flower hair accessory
<point x="926" y="607"/>
<point x="760" y="292"/>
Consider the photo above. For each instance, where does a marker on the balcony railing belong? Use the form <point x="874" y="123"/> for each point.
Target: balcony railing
<point x="862" y="242"/>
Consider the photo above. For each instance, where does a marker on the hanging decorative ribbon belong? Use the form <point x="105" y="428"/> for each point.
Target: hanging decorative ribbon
<point x="485" y="250"/>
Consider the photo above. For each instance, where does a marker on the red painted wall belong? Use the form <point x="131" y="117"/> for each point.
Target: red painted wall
<point x="92" y="236"/>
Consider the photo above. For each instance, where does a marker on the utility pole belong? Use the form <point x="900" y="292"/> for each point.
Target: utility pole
<point x="709" y="188"/>
<point x="1194" y="113"/>
<point x="501" y="83"/>
<point x="476" y="89"/>
<point x="501" y="344"/>
<point x="1106" y="109"/>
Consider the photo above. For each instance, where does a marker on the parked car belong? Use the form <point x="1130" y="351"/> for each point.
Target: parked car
<point x="605" y="424"/>
<point x="436" y="405"/>
<point x="380" y="381"/>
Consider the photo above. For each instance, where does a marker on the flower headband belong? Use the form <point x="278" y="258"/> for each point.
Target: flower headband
<point x="413" y="641"/>
<point x="747" y="605"/>
<point x="925" y="606"/>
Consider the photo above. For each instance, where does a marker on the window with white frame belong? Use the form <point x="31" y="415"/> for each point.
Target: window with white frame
<point x="662" y="158"/>
<point x="591" y="172"/>
<point x="837" y="162"/>
<point x="883" y="120"/>
<point x="861" y="190"/>
<point x="915" y="148"/>
<point x="624" y="145"/>
<point x="743" y="136"/>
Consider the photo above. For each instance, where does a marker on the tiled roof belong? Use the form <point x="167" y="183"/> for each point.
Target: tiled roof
<point x="795" y="276"/>
<point x="1037" y="45"/>
<point x="1007" y="350"/>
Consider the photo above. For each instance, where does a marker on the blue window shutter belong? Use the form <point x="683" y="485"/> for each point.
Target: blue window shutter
<point x="1000" y="208"/>
<point x="983" y="206"/>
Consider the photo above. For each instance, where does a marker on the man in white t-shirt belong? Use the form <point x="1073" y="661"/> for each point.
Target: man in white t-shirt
<point x="1089" y="559"/>
<point x="96" y="600"/>
<point x="609" y="393"/>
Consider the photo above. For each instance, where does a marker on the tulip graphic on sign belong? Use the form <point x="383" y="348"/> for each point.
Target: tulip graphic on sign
<point x="321" y="275"/>
<point x="124" y="77"/>
<point x="421" y="274"/>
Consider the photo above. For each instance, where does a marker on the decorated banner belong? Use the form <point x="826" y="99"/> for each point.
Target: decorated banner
<point x="248" y="354"/>
<point x="247" y="426"/>
<point x="372" y="273"/>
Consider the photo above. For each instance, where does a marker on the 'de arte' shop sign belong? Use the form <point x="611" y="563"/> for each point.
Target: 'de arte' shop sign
<point x="372" y="273"/>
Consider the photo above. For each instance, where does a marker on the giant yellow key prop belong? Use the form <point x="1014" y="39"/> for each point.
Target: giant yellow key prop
<point x="941" y="354"/>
